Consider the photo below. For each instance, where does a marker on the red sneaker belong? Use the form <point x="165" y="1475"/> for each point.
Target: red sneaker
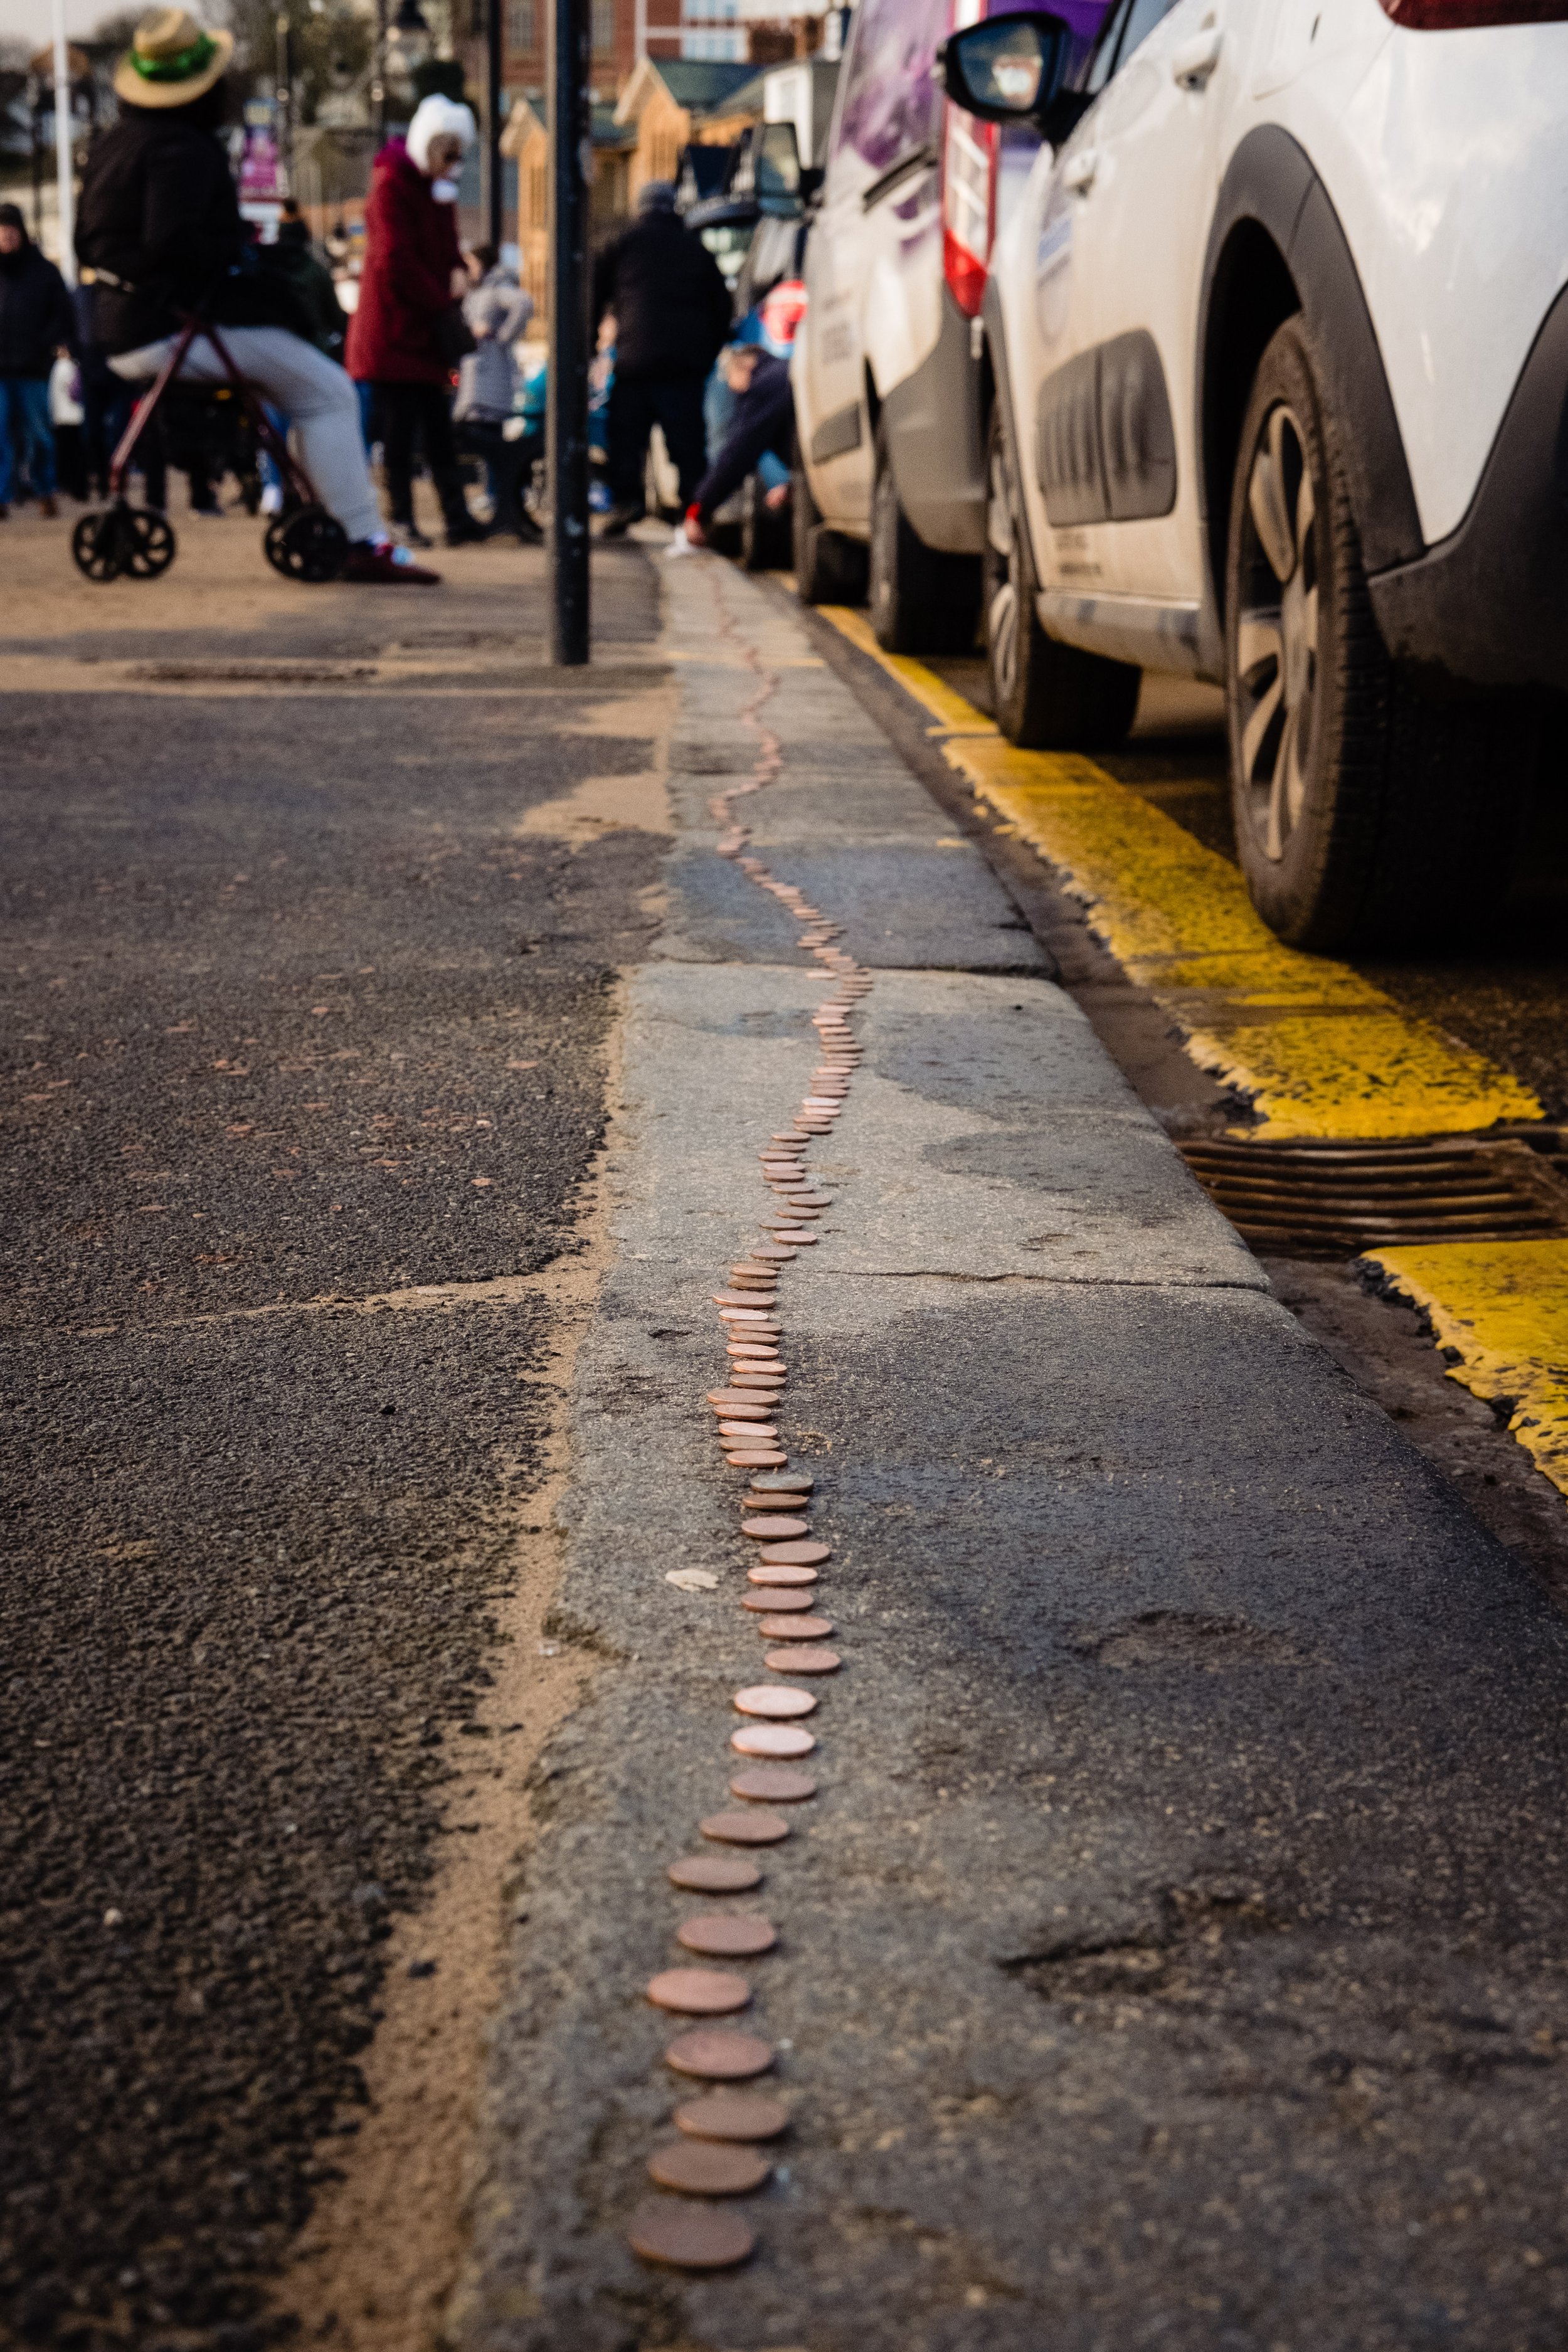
<point x="392" y="565"/>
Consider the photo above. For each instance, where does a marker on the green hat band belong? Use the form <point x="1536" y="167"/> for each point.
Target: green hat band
<point x="180" y="66"/>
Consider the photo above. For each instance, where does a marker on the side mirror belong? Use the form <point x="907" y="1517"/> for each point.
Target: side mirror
<point x="778" y="161"/>
<point x="1005" y="68"/>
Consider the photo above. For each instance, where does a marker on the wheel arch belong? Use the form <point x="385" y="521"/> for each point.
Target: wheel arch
<point x="1276" y="250"/>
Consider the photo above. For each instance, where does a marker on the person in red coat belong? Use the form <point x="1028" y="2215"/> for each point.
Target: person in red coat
<point x="412" y="279"/>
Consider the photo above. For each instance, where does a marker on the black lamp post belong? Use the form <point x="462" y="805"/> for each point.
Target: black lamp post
<point x="567" y="394"/>
<point x="493" y="162"/>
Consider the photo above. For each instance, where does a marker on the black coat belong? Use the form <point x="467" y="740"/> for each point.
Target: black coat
<point x="35" y="313"/>
<point x="158" y="211"/>
<point x="671" y="304"/>
<point x="764" y="419"/>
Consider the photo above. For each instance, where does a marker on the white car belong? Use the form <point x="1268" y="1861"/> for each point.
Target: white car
<point x="1279" y="346"/>
<point x="889" y="489"/>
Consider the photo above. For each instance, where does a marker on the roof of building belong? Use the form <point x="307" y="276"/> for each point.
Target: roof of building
<point x="606" y="127"/>
<point x="750" y="98"/>
<point x="701" y="85"/>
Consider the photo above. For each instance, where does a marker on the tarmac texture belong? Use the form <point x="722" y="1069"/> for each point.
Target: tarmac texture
<point x="309" y="1038"/>
<point x="1172" y="1956"/>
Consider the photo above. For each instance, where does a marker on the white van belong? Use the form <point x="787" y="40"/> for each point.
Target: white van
<point x="891" y="477"/>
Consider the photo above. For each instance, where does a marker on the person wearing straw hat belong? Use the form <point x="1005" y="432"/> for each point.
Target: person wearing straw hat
<point x="159" y="235"/>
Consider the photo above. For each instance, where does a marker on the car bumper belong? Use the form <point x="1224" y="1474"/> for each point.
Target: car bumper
<point x="1487" y="606"/>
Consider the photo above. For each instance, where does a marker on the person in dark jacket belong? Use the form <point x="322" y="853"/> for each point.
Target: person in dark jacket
<point x="160" y="237"/>
<point x="409" y="289"/>
<point x="36" y="324"/>
<point x="671" y="309"/>
<point x="763" y="420"/>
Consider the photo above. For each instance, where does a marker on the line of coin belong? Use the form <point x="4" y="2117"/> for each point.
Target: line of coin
<point x="718" y="2154"/>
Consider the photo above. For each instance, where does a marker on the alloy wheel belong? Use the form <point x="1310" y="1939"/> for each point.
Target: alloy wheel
<point x="1002" y="605"/>
<point x="1277" y="633"/>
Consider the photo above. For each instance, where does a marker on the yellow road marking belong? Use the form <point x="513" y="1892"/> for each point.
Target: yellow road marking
<point x="1502" y="1306"/>
<point x="950" y="709"/>
<point x="1319" y="1052"/>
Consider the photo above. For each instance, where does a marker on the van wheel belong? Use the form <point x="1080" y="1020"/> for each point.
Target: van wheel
<point x="1366" y="813"/>
<point x="1044" y="695"/>
<point x="828" y="568"/>
<point x="922" y="601"/>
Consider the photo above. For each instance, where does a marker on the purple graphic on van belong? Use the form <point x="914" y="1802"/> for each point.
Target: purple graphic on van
<point x="890" y="103"/>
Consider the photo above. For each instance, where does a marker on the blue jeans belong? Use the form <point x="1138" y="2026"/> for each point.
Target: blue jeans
<point x="24" y="414"/>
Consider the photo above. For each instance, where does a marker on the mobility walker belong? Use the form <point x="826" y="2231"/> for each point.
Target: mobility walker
<point x="123" y="541"/>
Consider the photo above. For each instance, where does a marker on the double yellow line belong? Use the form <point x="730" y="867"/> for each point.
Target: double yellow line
<point x="1317" y="1051"/>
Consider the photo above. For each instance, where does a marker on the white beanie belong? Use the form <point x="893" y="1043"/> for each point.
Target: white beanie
<point x="438" y="117"/>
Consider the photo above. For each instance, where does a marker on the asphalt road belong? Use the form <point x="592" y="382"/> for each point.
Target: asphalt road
<point x="301" y="1016"/>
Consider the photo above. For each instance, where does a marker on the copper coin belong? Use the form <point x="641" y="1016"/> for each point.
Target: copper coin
<point x="727" y="1934"/>
<point x="785" y="1482"/>
<point x="747" y="1432"/>
<point x="771" y="1739"/>
<point x="721" y="2056"/>
<point x="769" y="1506"/>
<point x="698" y="1992"/>
<point x="732" y="2115"/>
<point x="772" y="1526"/>
<point x="773" y="1702"/>
<point x="754" y="1461"/>
<point x="794" y="1554"/>
<point x="745" y="1829"/>
<point x="773" y="1251"/>
<point x="714" y="1874"/>
<point x="803" y="1662"/>
<point x="766" y="1600"/>
<point x="792" y="1234"/>
<point x="745" y="1301"/>
<point x="708" y="2169"/>
<point x="738" y="1405"/>
<point x="752" y="1352"/>
<point x="689" y="2237"/>
<point x="772" y="1784"/>
<point x="779" y="1628"/>
<point x="758" y="1384"/>
<point x="782" y="1579"/>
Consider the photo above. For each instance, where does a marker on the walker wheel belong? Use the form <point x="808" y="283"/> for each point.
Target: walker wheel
<point x="308" y="544"/>
<point x="150" y="541"/>
<point x="122" y="542"/>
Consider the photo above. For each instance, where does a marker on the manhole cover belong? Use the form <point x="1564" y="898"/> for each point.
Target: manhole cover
<point x="1335" y="1200"/>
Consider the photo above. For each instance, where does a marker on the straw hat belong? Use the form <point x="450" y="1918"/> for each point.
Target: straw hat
<point x="172" y="60"/>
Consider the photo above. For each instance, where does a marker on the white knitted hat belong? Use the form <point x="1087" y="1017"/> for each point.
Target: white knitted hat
<point x="439" y="118"/>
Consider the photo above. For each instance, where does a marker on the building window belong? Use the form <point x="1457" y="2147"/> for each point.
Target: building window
<point x="604" y="29"/>
<point x="520" y="26"/>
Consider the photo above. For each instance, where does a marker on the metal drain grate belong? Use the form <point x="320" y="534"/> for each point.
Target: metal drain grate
<point x="1334" y="1199"/>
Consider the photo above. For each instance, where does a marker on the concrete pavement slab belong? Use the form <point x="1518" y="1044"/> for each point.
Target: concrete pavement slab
<point x="1171" y="1957"/>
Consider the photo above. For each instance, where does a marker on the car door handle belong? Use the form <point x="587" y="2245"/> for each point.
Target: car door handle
<point x="1079" y="171"/>
<point x="1196" y="59"/>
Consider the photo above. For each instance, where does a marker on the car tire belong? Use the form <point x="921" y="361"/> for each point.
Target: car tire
<point x="921" y="601"/>
<point x="1045" y="695"/>
<point x="828" y="568"/>
<point x="1367" y="812"/>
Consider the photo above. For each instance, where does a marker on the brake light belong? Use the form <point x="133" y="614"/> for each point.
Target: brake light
<point x="1457" y="16"/>
<point x="964" y="274"/>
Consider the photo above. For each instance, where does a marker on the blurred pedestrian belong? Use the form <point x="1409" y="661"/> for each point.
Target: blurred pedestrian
<point x="295" y="259"/>
<point x="671" y="309"/>
<point x="407" y="332"/>
<point x="36" y="325"/>
<point x="159" y="228"/>
<point x="497" y="312"/>
<point x="762" y="428"/>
